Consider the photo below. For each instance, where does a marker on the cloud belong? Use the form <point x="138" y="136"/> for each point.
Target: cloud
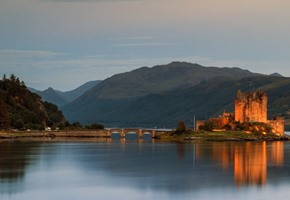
<point x="16" y="54"/>
<point x="93" y="56"/>
<point x="88" y="1"/>
<point x="142" y="44"/>
<point x="133" y="38"/>
<point x="138" y="41"/>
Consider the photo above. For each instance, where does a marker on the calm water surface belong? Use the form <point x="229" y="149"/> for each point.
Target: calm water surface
<point x="118" y="169"/>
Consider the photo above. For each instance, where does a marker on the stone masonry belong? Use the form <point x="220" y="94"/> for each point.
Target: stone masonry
<point x="251" y="107"/>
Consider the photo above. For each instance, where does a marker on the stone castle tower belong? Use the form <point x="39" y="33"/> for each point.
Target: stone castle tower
<point x="251" y="107"/>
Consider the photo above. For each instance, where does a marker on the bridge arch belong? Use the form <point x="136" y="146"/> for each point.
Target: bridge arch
<point x="123" y="132"/>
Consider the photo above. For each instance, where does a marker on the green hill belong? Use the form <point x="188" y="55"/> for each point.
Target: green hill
<point x="145" y="80"/>
<point x="158" y="96"/>
<point x="205" y="100"/>
<point x="22" y="109"/>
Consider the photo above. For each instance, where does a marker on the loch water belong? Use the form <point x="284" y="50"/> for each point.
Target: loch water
<point x="143" y="169"/>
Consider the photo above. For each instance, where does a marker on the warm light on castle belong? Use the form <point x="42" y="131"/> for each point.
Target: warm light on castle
<point x="251" y="112"/>
<point x="251" y="107"/>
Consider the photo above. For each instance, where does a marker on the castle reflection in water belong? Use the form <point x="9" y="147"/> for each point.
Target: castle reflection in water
<point x="249" y="161"/>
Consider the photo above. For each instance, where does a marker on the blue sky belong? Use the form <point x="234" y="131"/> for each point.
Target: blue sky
<point x="65" y="43"/>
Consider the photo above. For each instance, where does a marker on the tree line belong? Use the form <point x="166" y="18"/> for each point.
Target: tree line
<point x="21" y="109"/>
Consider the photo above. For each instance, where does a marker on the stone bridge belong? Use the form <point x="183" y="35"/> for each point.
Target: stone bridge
<point x="107" y="133"/>
<point x="124" y="131"/>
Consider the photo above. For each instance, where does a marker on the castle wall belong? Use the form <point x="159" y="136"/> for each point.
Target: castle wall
<point x="258" y="111"/>
<point x="199" y="124"/>
<point x="240" y="112"/>
<point x="278" y="125"/>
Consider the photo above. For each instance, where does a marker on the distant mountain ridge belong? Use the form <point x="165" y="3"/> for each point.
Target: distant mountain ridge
<point x="125" y="99"/>
<point x="50" y="95"/>
<point x="75" y="93"/>
<point x="60" y="98"/>
<point x="276" y="74"/>
<point x="160" y="78"/>
<point x="208" y="99"/>
<point x="162" y="95"/>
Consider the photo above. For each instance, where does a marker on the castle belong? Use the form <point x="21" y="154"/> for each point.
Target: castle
<point x="250" y="108"/>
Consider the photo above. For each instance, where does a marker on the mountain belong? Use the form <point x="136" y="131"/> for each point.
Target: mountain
<point x="74" y="94"/>
<point x="203" y="101"/>
<point x="52" y="96"/>
<point x="157" y="96"/>
<point x="208" y="99"/>
<point x="62" y="98"/>
<point x="276" y="74"/>
<point x="157" y="79"/>
<point x="22" y="109"/>
<point x="33" y="90"/>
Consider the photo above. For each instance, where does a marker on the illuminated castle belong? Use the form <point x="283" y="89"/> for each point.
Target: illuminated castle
<point x="252" y="107"/>
<point x="249" y="108"/>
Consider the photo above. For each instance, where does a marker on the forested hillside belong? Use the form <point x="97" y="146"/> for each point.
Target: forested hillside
<point x="22" y="109"/>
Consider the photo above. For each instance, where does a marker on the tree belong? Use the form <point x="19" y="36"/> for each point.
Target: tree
<point x="76" y="125"/>
<point x="4" y="120"/>
<point x="181" y="128"/>
<point x="95" y="126"/>
<point x="208" y="126"/>
<point x="22" y="109"/>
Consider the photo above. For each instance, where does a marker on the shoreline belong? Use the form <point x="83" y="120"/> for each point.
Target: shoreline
<point x="239" y="136"/>
<point x="54" y="134"/>
<point x="231" y="136"/>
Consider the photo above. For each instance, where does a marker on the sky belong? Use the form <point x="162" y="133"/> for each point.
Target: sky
<point x="65" y="43"/>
